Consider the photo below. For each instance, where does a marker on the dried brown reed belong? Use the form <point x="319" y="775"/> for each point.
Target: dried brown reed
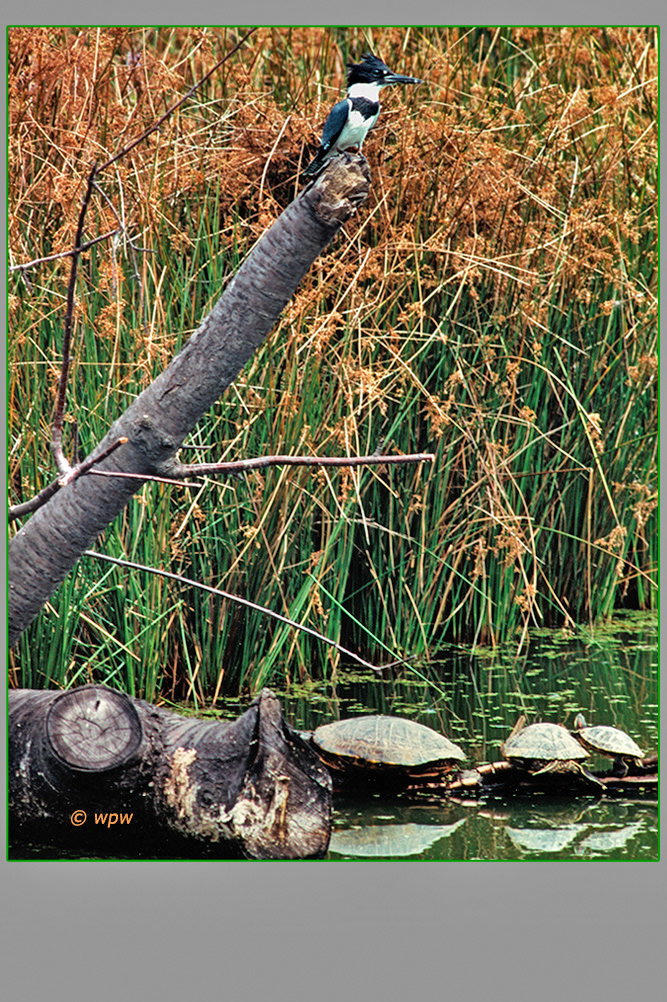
<point x="495" y="301"/>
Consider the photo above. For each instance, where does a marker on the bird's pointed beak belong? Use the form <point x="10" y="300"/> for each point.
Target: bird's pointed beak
<point x="397" y="78"/>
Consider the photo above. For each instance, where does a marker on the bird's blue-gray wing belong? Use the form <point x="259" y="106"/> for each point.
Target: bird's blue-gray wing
<point x="334" y="124"/>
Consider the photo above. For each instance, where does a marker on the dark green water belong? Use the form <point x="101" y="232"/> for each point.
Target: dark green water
<point x="610" y="674"/>
<point x="533" y="829"/>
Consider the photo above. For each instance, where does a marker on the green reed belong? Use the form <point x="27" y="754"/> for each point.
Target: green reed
<point x="493" y="304"/>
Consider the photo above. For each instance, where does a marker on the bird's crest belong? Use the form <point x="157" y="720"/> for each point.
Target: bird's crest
<point x="368" y="62"/>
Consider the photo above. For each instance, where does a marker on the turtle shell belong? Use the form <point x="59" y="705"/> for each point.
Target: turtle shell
<point x="385" y="743"/>
<point x="608" y="741"/>
<point x="543" y="743"/>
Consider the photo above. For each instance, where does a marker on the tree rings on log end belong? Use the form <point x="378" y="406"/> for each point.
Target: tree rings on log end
<point x="92" y="729"/>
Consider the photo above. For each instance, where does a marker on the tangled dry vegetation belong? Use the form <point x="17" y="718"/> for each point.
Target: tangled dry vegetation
<point x="495" y="302"/>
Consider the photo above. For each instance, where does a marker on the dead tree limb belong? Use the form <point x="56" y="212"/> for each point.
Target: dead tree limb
<point x="261" y="462"/>
<point x="62" y="464"/>
<point x="46" y="548"/>
<point x="180" y="471"/>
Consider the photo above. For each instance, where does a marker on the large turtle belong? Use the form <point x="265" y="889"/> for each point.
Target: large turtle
<point x="384" y="748"/>
<point x="610" y="741"/>
<point x="545" y="748"/>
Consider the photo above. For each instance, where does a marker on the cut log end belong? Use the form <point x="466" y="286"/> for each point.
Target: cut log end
<point x="93" y="729"/>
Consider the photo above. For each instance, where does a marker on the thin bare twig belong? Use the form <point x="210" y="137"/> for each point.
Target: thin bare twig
<point x="62" y="464"/>
<point x="260" y="462"/>
<point x="143" y="476"/>
<point x="68" y="253"/>
<point x="170" y="111"/>
<point x="78" y="471"/>
<point x="75" y="442"/>
<point x="181" y="471"/>
<point x="250" y="605"/>
<point x="17" y="510"/>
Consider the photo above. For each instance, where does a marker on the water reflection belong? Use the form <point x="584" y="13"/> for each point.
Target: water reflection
<point x="389" y="840"/>
<point x="599" y="828"/>
<point x="527" y="828"/>
<point x="610" y="674"/>
<point x="610" y="840"/>
<point x="544" y="839"/>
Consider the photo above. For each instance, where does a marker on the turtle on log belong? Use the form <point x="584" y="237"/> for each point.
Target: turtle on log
<point x="546" y="748"/>
<point x="384" y="750"/>
<point x="610" y="741"/>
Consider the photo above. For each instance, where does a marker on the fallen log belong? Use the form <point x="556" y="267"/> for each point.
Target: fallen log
<point x="496" y="778"/>
<point x="80" y="758"/>
<point x="505" y="777"/>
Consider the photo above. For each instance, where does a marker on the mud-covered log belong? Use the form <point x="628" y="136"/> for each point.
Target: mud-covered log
<point x="94" y="769"/>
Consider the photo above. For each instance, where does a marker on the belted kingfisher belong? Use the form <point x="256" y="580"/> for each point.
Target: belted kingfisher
<point x="351" y="119"/>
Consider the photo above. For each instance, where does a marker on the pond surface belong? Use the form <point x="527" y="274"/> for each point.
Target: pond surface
<point x="536" y="828"/>
<point x="611" y="674"/>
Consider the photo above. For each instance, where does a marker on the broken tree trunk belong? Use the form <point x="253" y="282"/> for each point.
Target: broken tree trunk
<point x="94" y="768"/>
<point x="46" y="548"/>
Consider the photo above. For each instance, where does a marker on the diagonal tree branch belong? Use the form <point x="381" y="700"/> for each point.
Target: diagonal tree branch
<point x="45" y="549"/>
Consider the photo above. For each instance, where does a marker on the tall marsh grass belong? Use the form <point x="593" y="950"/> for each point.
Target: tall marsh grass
<point x="494" y="302"/>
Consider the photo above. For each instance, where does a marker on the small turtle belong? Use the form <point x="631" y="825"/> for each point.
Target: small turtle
<point x="609" y="741"/>
<point x="385" y="747"/>
<point x="545" y="748"/>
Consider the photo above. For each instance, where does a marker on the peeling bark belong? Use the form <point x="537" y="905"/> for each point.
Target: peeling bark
<point x="249" y="787"/>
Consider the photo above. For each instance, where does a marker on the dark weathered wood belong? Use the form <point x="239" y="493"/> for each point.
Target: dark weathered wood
<point x="93" y="728"/>
<point x="155" y="425"/>
<point x="248" y="787"/>
<point x="44" y="790"/>
<point x="256" y="780"/>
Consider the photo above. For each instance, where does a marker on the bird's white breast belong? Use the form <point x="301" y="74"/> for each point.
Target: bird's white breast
<point x="355" y="129"/>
